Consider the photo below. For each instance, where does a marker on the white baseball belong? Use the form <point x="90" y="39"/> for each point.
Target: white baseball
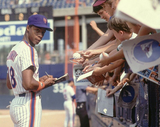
<point x="101" y="55"/>
<point x="76" y="55"/>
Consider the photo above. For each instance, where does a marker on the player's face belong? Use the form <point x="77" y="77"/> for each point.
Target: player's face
<point x="72" y="84"/>
<point x="36" y="34"/>
<point x="103" y="14"/>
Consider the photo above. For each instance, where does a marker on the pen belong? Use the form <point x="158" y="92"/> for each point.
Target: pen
<point x="47" y="74"/>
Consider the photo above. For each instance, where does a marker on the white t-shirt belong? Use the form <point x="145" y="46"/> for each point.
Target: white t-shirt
<point x="120" y="46"/>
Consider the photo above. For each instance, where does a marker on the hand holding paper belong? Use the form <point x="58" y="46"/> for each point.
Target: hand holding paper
<point x="92" y="78"/>
<point x="84" y="75"/>
<point x="62" y="78"/>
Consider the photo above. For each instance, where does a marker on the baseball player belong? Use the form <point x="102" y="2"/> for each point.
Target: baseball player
<point x="69" y="105"/>
<point x="23" y="75"/>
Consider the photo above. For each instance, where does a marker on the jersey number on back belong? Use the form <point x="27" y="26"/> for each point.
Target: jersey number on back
<point x="12" y="74"/>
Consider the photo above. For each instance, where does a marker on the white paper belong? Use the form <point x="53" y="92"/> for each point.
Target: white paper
<point x="104" y="103"/>
<point x="140" y="11"/>
<point x="84" y="75"/>
<point x="77" y="72"/>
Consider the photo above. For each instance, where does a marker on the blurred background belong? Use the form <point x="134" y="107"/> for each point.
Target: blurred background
<point x="70" y="20"/>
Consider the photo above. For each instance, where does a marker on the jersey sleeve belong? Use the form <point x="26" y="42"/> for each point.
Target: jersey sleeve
<point x="72" y="91"/>
<point x="27" y="58"/>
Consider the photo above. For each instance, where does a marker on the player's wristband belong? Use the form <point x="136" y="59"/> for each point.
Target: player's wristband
<point x="40" y="87"/>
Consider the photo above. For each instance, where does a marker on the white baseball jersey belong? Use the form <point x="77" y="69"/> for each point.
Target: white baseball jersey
<point x="69" y="106"/>
<point x="25" y="109"/>
<point x="20" y="58"/>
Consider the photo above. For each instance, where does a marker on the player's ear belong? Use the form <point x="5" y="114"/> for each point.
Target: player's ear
<point x="27" y="28"/>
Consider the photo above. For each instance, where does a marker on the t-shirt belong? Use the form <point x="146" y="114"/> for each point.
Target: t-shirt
<point x="81" y="93"/>
<point x="120" y="46"/>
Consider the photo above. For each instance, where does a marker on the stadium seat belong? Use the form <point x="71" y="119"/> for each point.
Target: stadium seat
<point x="57" y="4"/>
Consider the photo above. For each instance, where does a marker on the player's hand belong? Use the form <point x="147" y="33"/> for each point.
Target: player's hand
<point x="43" y="78"/>
<point x="50" y="81"/>
<point x="109" y="92"/>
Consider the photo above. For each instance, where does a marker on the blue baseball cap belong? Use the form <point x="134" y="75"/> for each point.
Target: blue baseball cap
<point x="38" y="21"/>
<point x="70" y="80"/>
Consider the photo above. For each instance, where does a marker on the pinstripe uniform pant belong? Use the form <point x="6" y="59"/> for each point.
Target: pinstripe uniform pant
<point x="69" y="107"/>
<point x="26" y="110"/>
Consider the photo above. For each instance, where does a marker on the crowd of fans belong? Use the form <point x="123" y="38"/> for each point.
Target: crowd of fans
<point x="113" y="64"/>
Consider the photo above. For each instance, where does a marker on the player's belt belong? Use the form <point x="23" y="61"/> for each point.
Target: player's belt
<point x="22" y="95"/>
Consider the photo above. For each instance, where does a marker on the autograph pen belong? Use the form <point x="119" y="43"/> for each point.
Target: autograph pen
<point x="47" y="74"/>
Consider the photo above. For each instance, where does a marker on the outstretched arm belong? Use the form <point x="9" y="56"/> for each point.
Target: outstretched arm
<point x="145" y="30"/>
<point x="110" y="92"/>
<point x="105" y="38"/>
<point x="95" y="27"/>
<point x="118" y="55"/>
<point x="92" y="89"/>
<point x="110" y="46"/>
<point x="99" y="71"/>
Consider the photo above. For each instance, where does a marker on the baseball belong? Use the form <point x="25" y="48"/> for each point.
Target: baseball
<point x="101" y="55"/>
<point x="76" y="55"/>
